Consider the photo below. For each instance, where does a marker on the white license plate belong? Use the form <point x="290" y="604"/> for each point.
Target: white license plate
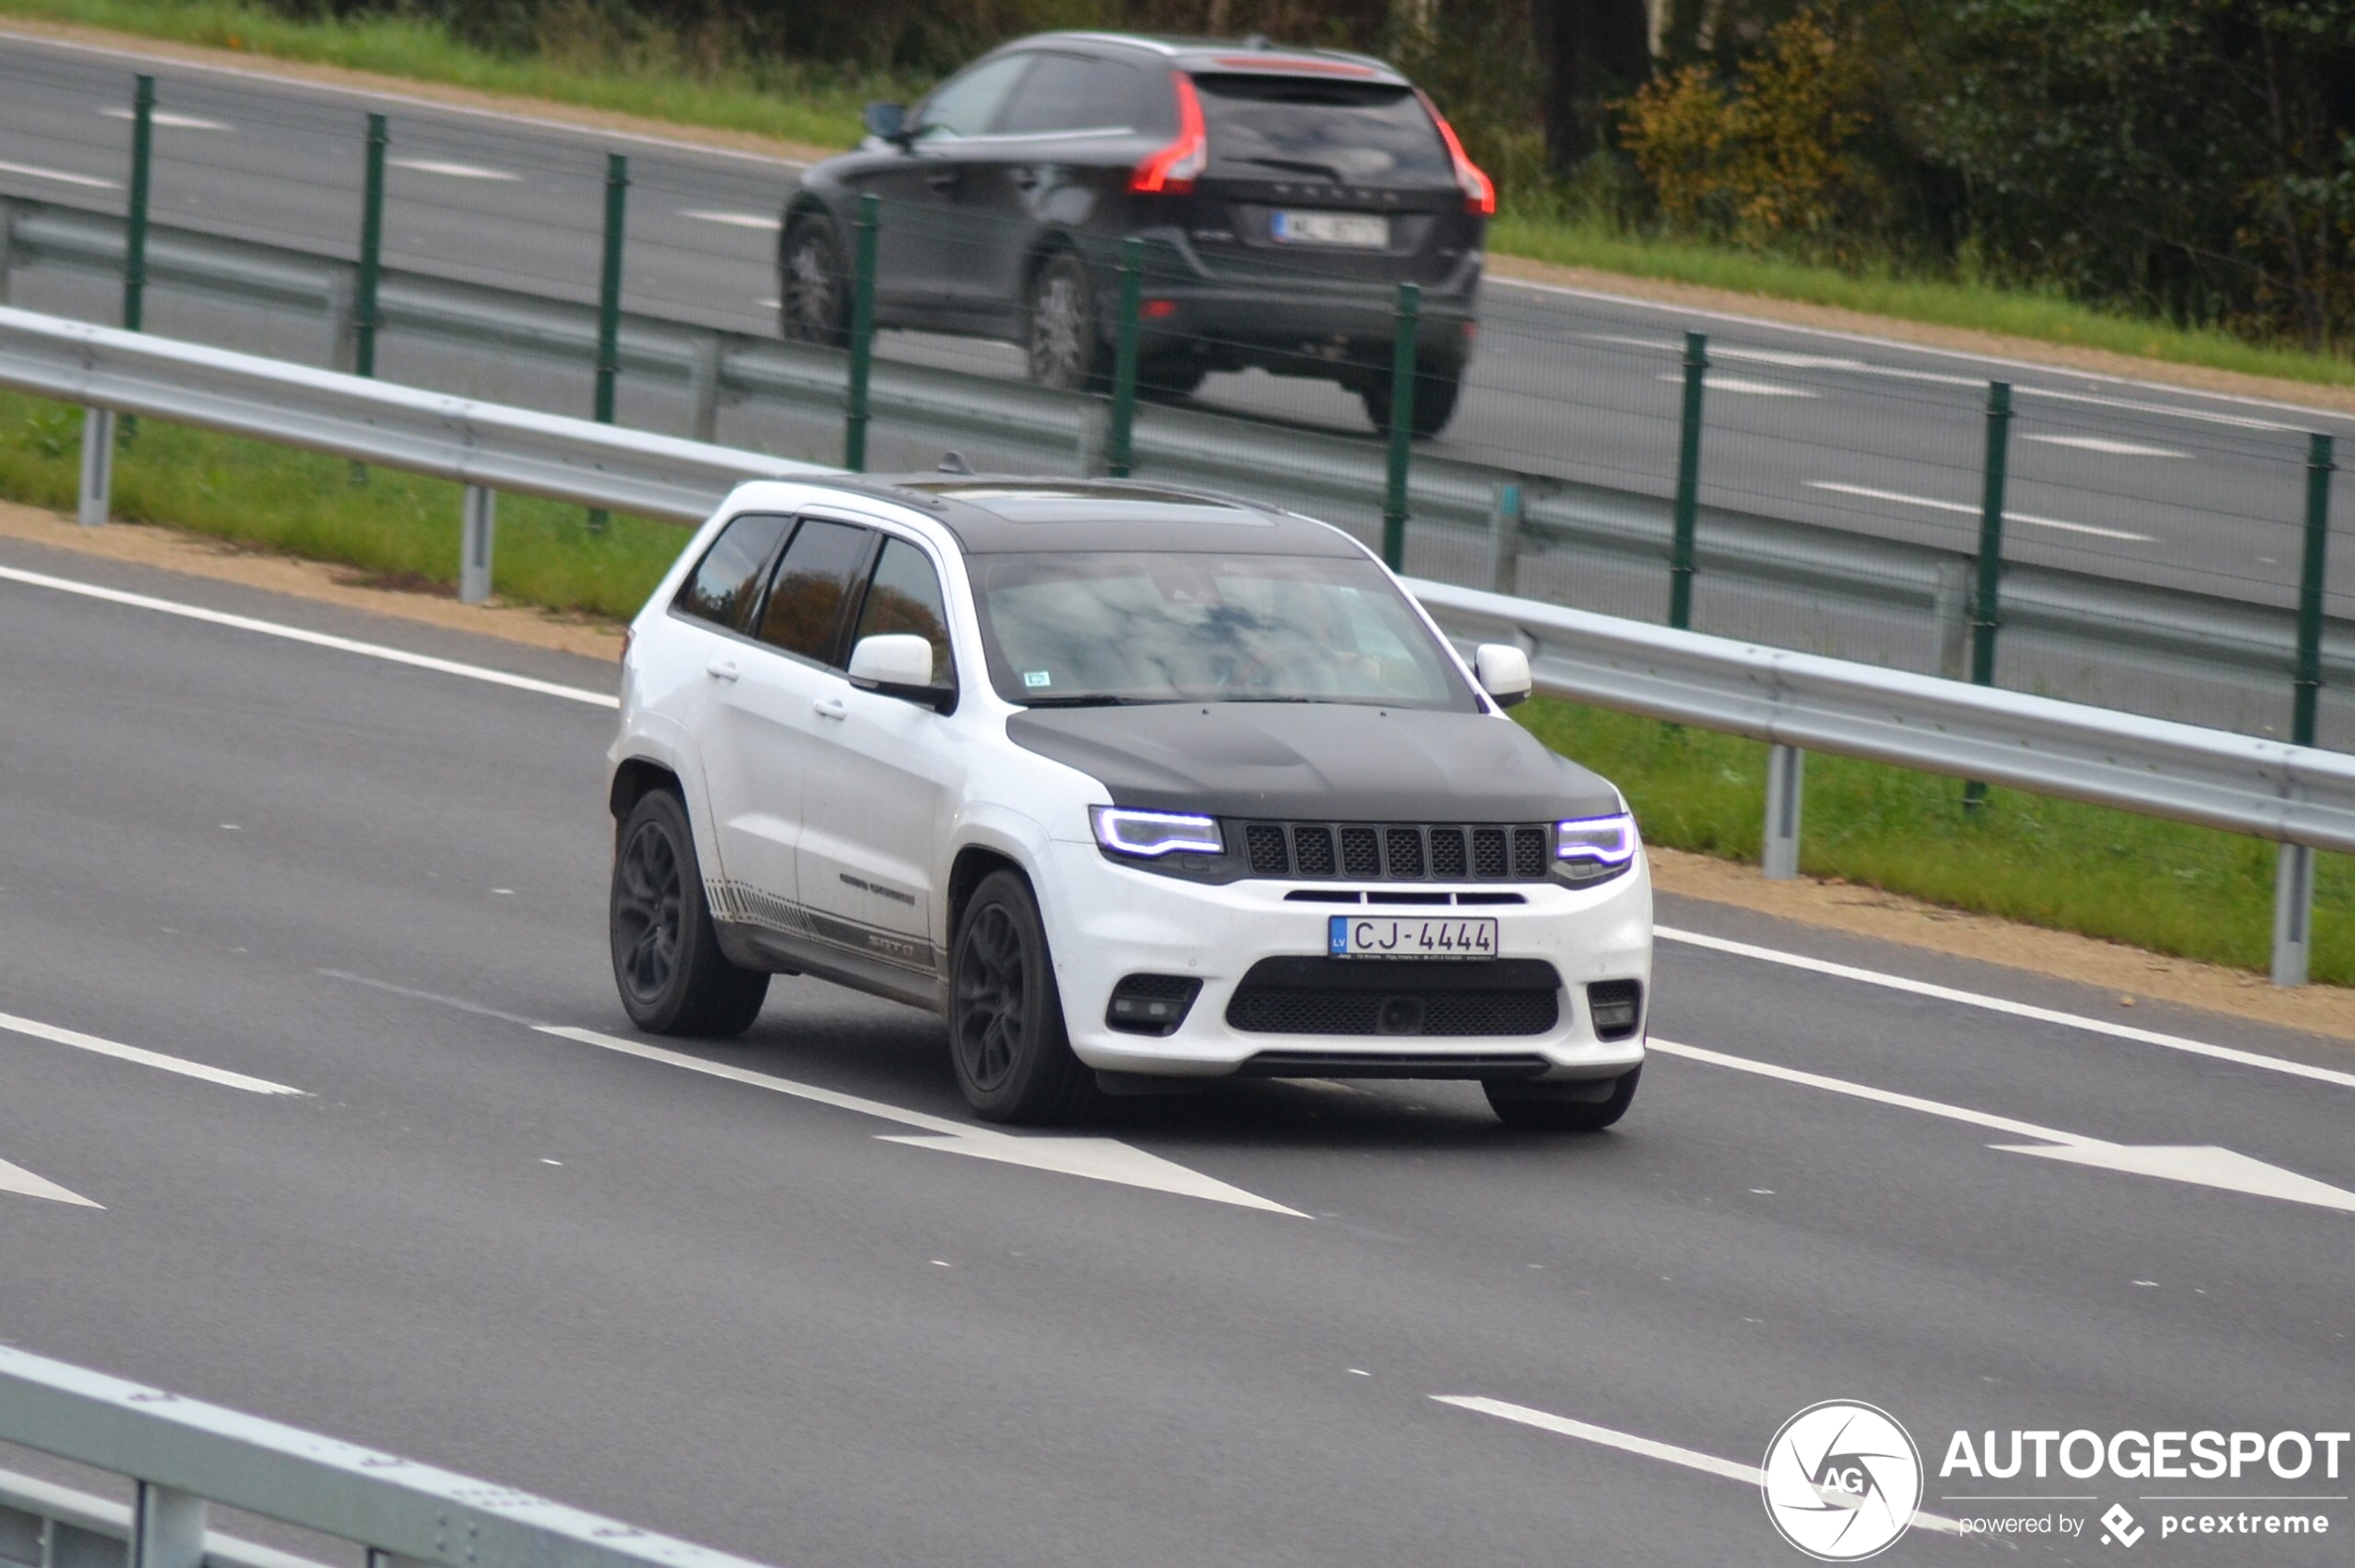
<point x="1351" y="936"/>
<point x="1360" y="231"/>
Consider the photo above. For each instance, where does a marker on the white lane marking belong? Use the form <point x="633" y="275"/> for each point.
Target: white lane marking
<point x="1098" y="1159"/>
<point x="315" y="639"/>
<point x="173" y="121"/>
<point x="2107" y="447"/>
<point x="2201" y="1164"/>
<point x="2007" y="1006"/>
<point x="16" y="1178"/>
<point x="1901" y="498"/>
<point x="1892" y="345"/>
<point x="146" y="1058"/>
<point x="732" y="220"/>
<point x="1650" y="1449"/>
<point x="505" y="116"/>
<point x="450" y="170"/>
<point x="34" y="172"/>
<point x="1748" y="388"/>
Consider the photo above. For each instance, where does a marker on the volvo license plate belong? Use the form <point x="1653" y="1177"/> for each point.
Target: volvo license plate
<point x="1357" y="231"/>
<point x="1352" y="935"/>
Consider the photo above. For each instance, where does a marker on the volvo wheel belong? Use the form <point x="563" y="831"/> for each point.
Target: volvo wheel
<point x="1065" y="350"/>
<point x="813" y="295"/>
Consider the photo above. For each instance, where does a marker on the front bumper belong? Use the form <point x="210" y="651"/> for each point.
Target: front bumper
<point x="1107" y="922"/>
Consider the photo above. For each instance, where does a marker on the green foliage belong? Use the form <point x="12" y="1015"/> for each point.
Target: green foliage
<point x="391" y="526"/>
<point x="2162" y="886"/>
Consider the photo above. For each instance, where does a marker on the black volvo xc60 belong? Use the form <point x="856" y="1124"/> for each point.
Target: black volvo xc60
<point x="1283" y="195"/>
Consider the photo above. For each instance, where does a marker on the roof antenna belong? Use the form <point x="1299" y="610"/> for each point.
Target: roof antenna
<point x="954" y="463"/>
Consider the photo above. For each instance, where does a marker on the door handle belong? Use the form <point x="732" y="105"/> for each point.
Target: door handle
<point x="832" y="708"/>
<point x="1024" y="179"/>
<point x="944" y="179"/>
<point x="722" y="670"/>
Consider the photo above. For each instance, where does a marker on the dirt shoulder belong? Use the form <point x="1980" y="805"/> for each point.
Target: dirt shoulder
<point x="2130" y="973"/>
<point x="411" y="87"/>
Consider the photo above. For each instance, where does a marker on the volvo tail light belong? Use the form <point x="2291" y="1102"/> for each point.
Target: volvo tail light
<point x="1175" y="167"/>
<point x="1479" y="192"/>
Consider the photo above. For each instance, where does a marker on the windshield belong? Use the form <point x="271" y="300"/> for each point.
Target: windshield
<point x="1346" y="132"/>
<point x="1115" y="627"/>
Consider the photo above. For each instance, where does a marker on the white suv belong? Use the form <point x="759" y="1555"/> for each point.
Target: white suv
<point x="1130" y="784"/>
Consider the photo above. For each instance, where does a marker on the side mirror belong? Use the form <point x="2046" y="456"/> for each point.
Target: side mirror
<point x="886" y="122"/>
<point x="899" y="664"/>
<point x="1504" y="672"/>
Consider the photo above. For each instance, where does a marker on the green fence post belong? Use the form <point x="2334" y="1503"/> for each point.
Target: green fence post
<point x="135" y="248"/>
<point x="1124" y="364"/>
<point x="2294" y="864"/>
<point x="372" y="237"/>
<point x="1986" y="604"/>
<point x="1680" y="553"/>
<point x="862" y="331"/>
<point x="1402" y="428"/>
<point x="609" y="302"/>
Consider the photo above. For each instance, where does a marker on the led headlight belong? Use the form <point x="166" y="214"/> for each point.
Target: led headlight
<point x="1588" y="848"/>
<point x="1153" y="834"/>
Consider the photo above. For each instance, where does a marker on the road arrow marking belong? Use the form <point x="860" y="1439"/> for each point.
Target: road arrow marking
<point x="1098" y="1159"/>
<point x="2199" y="1164"/>
<point x="16" y="1178"/>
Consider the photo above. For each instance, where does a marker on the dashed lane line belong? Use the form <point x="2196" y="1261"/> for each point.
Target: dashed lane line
<point x="143" y="1057"/>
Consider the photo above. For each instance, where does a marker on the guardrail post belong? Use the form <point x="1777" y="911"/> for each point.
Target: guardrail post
<point x="1680" y="551"/>
<point x="1985" y="603"/>
<point x="97" y="466"/>
<point x="862" y="332"/>
<point x="1950" y="613"/>
<point x="703" y="390"/>
<point x="7" y="245"/>
<point x="1504" y="539"/>
<point x="608" y="307"/>
<point x="166" y="1528"/>
<point x="134" y="251"/>
<point x="1786" y="773"/>
<point x="1402" y="427"/>
<point x="371" y="239"/>
<point x="2294" y="864"/>
<point x="478" y="535"/>
<point x="1124" y="364"/>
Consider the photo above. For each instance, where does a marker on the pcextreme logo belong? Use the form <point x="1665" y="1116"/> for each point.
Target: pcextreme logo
<point x="1843" y="1481"/>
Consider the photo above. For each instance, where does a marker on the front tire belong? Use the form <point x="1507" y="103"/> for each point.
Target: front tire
<point x="1006" y="1034"/>
<point x="1574" y="1107"/>
<point x="1060" y="336"/>
<point x="813" y="285"/>
<point x="666" y="962"/>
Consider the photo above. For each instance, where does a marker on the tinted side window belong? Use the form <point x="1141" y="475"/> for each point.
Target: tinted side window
<point x="1068" y="92"/>
<point x="805" y="609"/>
<point x="966" y="105"/>
<point x="722" y="587"/>
<point x="905" y="596"/>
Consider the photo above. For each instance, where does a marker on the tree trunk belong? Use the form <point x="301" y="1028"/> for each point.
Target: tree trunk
<point x="1595" y="52"/>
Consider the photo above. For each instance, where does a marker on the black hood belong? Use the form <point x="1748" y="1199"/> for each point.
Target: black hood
<point x="1318" y="761"/>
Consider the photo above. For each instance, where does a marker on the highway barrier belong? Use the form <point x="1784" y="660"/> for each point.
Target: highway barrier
<point x="2301" y="796"/>
<point x="182" y="1455"/>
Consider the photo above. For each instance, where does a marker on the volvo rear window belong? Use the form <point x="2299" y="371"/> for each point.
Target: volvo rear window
<point x="1349" y="133"/>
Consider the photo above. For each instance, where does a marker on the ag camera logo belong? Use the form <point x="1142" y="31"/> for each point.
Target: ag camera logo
<point x="1842" y="1481"/>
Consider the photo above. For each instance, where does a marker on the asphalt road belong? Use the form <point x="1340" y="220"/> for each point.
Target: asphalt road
<point x="734" y="1313"/>
<point x="2144" y="482"/>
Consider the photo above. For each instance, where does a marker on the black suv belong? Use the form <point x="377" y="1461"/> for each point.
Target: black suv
<point x="1283" y="195"/>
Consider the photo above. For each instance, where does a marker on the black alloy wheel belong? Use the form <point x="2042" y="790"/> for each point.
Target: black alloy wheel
<point x="666" y="962"/>
<point x="1059" y="336"/>
<point x="1006" y="1034"/>
<point x="1435" y="395"/>
<point x="813" y="300"/>
<point x="1566" y="1107"/>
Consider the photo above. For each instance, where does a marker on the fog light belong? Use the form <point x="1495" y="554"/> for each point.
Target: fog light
<point x="1615" y="1006"/>
<point x="1151" y="1004"/>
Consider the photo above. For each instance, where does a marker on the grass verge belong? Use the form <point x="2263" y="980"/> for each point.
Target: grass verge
<point x="653" y="77"/>
<point x="396" y="527"/>
<point x="2174" y="888"/>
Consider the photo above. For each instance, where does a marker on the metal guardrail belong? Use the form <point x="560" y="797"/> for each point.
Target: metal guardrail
<point x="183" y="1453"/>
<point x="2302" y="796"/>
<point x="2240" y="643"/>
